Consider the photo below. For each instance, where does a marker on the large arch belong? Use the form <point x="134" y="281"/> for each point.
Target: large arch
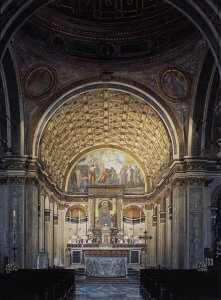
<point x="38" y="139"/>
<point x="206" y="16"/>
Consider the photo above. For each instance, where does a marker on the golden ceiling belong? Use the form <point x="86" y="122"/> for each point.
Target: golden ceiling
<point x="104" y="118"/>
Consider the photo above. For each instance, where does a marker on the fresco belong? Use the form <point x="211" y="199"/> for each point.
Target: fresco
<point x="105" y="212"/>
<point x="106" y="167"/>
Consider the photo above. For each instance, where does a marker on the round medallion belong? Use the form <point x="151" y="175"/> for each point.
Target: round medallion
<point x="39" y="81"/>
<point x="174" y="83"/>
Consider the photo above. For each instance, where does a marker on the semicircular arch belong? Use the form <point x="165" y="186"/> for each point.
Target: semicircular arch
<point x="161" y="116"/>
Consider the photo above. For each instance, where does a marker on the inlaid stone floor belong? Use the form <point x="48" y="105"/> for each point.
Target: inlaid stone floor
<point x="111" y="289"/>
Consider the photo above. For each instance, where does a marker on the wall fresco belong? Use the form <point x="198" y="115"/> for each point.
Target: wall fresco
<point x="106" y="167"/>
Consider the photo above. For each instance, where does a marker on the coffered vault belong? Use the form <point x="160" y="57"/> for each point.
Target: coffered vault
<point x="104" y="118"/>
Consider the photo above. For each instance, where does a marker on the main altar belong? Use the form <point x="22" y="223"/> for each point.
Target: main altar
<point x="106" y="237"/>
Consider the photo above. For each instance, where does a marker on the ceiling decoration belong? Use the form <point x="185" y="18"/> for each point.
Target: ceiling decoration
<point x="109" y="10"/>
<point x="112" y="30"/>
<point x="104" y="118"/>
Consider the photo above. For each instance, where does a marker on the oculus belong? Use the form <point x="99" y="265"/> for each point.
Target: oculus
<point x="174" y="83"/>
<point x="39" y="81"/>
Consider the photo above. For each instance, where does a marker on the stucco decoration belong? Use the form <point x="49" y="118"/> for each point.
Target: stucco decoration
<point x="174" y="83"/>
<point x="39" y="81"/>
<point x="104" y="118"/>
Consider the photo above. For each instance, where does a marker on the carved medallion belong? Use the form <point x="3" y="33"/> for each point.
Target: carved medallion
<point x="174" y="83"/>
<point x="39" y="81"/>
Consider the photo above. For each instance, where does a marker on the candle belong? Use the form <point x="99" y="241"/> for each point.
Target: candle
<point x="14" y="217"/>
<point x="140" y="216"/>
<point x="70" y="219"/>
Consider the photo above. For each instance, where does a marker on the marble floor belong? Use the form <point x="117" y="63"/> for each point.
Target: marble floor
<point x="116" y="289"/>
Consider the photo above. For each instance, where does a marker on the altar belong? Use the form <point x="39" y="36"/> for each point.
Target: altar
<point x="106" y="237"/>
<point x="79" y="254"/>
<point x="106" y="263"/>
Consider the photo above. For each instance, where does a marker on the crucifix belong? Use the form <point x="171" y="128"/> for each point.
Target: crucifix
<point x="145" y="237"/>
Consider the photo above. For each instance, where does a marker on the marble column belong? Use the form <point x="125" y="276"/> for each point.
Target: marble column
<point x="150" y="242"/>
<point x="179" y="239"/>
<point x="91" y="212"/>
<point x="158" y="237"/>
<point x="51" y="234"/>
<point x="56" y="248"/>
<point x="213" y="210"/>
<point x="154" y="231"/>
<point x="162" y="226"/>
<point x="62" y="243"/>
<point x="31" y="226"/>
<point x="168" y="240"/>
<point x="47" y="217"/>
<point x="41" y="221"/>
<point x="119" y="206"/>
<point x="199" y="229"/>
<point x="4" y="226"/>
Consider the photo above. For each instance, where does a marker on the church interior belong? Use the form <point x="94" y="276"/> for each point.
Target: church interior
<point x="110" y="136"/>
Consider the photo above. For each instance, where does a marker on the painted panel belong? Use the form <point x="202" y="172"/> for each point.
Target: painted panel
<point x="105" y="212"/>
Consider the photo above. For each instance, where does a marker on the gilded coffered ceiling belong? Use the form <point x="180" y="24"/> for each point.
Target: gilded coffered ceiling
<point x="104" y="118"/>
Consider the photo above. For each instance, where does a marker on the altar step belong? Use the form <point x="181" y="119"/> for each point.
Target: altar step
<point x="130" y="272"/>
<point x="133" y="272"/>
<point x="80" y="271"/>
<point x="109" y="280"/>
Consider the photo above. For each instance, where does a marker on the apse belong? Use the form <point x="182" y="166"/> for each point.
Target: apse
<point x="120" y="122"/>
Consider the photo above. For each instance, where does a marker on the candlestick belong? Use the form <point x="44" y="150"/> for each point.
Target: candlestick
<point x="123" y="223"/>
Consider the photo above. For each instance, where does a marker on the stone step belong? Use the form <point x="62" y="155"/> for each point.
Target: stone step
<point x="130" y="272"/>
<point x="108" y="280"/>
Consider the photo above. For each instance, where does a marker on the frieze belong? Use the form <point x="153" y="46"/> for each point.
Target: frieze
<point x="76" y="199"/>
<point x="113" y="190"/>
<point x="18" y="180"/>
<point x="134" y="200"/>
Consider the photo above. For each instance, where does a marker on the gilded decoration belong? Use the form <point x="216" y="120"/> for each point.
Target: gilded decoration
<point x="39" y="81"/>
<point x="174" y="83"/>
<point x="104" y="118"/>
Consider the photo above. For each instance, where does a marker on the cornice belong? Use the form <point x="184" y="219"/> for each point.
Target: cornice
<point x="188" y="172"/>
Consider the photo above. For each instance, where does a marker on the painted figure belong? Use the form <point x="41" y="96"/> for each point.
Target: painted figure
<point x="104" y="214"/>
<point x="92" y="174"/>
